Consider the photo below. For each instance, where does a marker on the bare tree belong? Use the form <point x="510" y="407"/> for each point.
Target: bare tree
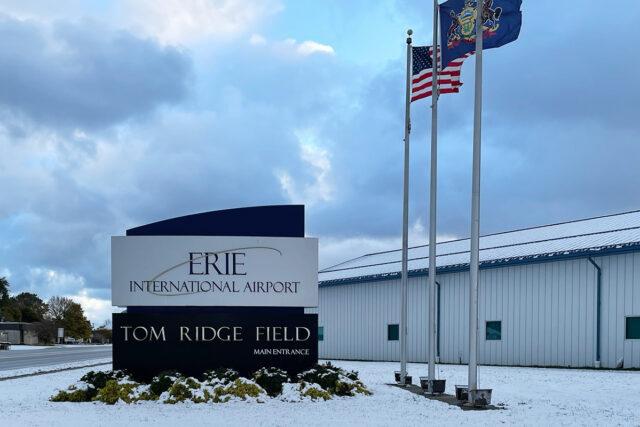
<point x="58" y="306"/>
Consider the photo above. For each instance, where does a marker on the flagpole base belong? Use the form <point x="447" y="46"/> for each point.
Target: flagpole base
<point x="407" y="378"/>
<point x="432" y="386"/>
<point x="479" y="398"/>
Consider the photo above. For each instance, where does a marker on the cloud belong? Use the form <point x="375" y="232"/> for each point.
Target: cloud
<point x="291" y="46"/>
<point x="273" y="120"/>
<point x="48" y="282"/>
<point x="317" y="162"/>
<point x="97" y="310"/>
<point x="309" y="47"/>
<point x="84" y="74"/>
<point x="189" y="21"/>
<point x="257" y="40"/>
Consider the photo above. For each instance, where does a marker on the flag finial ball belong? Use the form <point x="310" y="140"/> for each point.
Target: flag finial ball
<point x="409" y="31"/>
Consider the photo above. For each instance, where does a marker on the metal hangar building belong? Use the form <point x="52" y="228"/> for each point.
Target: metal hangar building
<point x="559" y="295"/>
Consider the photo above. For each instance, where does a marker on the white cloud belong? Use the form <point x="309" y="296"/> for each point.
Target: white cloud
<point x="97" y="310"/>
<point x="257" y="40"/>
<point x="310" y="47"/>
<point x="318" y="164"/>
<point x="48" y="282"/>
<point x="188" y="21"/>
<point x="288" y="47"/>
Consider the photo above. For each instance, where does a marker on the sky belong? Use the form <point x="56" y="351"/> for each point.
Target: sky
<point x="118" y="113"/>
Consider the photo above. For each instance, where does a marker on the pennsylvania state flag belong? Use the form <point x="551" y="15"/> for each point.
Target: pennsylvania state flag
<point x="501" y="22"/>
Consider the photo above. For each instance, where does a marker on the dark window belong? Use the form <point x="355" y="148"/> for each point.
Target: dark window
<point x="633" y="328"/>
<point x="393" y="332"/>
<point x="320" y="333"/>
<point x="494" y="330"/>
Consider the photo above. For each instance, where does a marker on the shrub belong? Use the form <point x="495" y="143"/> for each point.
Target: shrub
<point x="314" y="392"/>
<point x="335" y="380"/>
<point x="271" y="380"/>
<point x="81" y="392"/>
<point x="223" y="375"/>
<point x="113" y="392"/>
<point x="321" y="382"/>
<point x="98" y="379"/>
<point x="183" y="389"/>
<point x="161" y="383"/>
<point x="241" y="388"/>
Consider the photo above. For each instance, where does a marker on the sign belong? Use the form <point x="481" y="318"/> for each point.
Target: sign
<point x="60" y="332"/>
<point x="192" y="344"/>
<point x="214" y="271"/>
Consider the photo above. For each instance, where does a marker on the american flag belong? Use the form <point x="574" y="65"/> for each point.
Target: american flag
<point x="422" y="79"/>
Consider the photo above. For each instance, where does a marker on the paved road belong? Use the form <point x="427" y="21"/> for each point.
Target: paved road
<point x="19" y="359"/>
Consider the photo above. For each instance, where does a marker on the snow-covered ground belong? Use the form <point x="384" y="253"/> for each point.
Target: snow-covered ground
<point x="532" y="397"/>
<point x="48" y="368"/>
<point x="29" y="347"/>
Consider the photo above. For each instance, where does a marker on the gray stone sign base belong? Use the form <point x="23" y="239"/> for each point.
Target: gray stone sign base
<point x="446" y="398"/>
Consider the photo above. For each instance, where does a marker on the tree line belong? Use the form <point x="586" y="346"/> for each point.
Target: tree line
<point x="47" y="317"/>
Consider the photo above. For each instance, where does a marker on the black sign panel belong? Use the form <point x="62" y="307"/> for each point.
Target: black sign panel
<point x="146" y="344"/>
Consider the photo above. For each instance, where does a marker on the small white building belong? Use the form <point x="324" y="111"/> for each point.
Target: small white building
<point x="565" y="295"/>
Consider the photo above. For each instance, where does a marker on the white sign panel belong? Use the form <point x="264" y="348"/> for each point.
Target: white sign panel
<point x="214" y="271"/>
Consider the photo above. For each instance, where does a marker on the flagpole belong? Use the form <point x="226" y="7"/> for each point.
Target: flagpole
<point x="433" y="201"/>
<point x="405" y="219"/>
<point x="475" y="215"/>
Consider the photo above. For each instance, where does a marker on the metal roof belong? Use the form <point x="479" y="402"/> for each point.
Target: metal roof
<point x="582" y="237"/>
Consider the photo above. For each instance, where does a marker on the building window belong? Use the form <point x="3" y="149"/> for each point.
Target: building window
<point x="494" y="330"/>
<point x="632" y="328"/>
<point x="320" y="333"/>
<point x="393" y="332"/>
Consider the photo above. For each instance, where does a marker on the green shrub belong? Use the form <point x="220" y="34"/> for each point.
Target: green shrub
<point x="314" y="392"/>
<point x="98" y="379"/>
<point x="75" y="394"/>
<point x="113" y="391"/>
<point x="222" y="385"/>
<point x="183" y="389"/>
<point x="223" y="375"/>
<point x="162" y="382"/>
<point x="179" y="392"/>
<point x="271" y="380"/>
<point x="335" y="380"/>
<point x="240" y="388"/>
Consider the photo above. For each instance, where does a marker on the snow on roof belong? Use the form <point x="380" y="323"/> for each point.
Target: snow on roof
<point x="592" y="234"/>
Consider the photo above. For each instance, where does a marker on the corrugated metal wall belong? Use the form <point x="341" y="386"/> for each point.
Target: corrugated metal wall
<point x="548" y="314"/>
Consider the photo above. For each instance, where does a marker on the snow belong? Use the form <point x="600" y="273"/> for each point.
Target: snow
<point x="532" y="396"/>
<point x="28" y="347"/>
<point x="65" y="346"/>
<point x="49" y="368"/>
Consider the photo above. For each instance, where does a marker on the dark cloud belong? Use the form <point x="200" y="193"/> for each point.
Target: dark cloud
<point x="83" y="74"/>
<point x="557" y="144"/>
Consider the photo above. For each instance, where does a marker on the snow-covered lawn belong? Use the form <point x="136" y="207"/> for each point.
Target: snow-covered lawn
<point x="28" y="347"/>
<point x="48" y="368"/>
<point x="532" y="397"/>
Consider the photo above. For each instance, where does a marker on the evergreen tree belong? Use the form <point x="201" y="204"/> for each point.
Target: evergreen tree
<point x="31" y="307"/>
<point x="75" y="323"/>
<point x="4" y="296"/>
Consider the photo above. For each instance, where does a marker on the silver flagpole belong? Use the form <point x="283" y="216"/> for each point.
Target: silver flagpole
<point x="432" y="201"/>
<point x="405" y="219"/>
<point x="475" y="215"/>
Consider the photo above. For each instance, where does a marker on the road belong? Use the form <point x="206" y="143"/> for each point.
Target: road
<point x="19" y="359"/>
